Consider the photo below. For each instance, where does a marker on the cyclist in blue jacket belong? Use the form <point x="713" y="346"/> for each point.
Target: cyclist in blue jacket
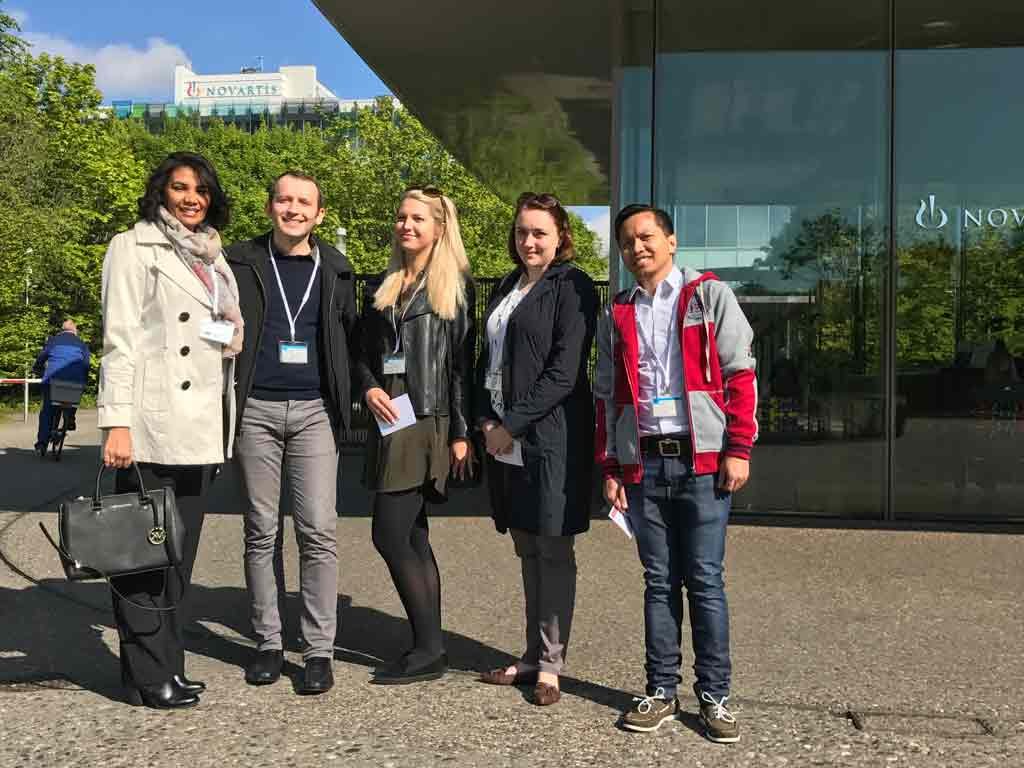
<point x="65" y="357"/>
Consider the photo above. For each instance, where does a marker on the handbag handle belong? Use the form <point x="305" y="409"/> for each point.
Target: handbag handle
<point x="99" y="477"/>
<point x="65" y="554"/>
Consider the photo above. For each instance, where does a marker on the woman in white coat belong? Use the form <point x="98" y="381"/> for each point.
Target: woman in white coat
<point x="171" y="329"/>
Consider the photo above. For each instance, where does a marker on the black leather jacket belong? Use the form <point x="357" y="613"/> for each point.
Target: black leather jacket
<point x="438" y="356"/>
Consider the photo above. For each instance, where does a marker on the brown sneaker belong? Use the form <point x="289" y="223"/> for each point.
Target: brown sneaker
<point x="719" y="723"/>
<point x="649" y="712"/>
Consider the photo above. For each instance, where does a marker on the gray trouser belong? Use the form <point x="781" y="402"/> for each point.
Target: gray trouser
<point x="549" y="583"/>
<point x="295" y="434"/>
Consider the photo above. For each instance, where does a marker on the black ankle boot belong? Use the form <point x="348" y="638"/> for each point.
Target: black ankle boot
<point x="161" y="696"/>
<point x="191" y="687"/>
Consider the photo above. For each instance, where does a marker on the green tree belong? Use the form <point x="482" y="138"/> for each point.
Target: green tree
<point x="71" y="176"/>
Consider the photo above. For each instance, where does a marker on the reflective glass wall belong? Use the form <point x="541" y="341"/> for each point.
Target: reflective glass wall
<point x="960" y="260"/>
<point x="850" y="172"/>
<point x="772" y="155"/>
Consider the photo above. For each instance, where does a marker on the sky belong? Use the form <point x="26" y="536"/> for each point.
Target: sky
<point x="136" y="45"/>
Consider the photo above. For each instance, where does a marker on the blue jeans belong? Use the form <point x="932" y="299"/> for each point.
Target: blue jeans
<point x="679" y="521"/>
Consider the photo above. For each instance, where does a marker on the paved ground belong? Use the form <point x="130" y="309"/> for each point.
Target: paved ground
<point x="857" y="648"/>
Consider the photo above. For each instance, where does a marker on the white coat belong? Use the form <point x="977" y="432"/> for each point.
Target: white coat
<point x="157" y="376"/>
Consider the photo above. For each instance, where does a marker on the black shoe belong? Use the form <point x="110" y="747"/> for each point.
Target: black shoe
<point x="265" y="668"/>
<point x="40" y="448"/>
<point x="191" y="687"/>
<point x="318" y="676"/>
<point x="70" y="424"/>
<point x="401" y="672"/>
<point x="163" y="696"/>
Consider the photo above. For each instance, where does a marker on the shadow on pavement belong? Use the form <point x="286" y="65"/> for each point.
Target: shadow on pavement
<point x="31" y="483"/>
<point x="46" y="637"/>
<point x="54" y="631"/>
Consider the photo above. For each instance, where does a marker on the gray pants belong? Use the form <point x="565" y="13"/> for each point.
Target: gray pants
<point x="295" y="434"/>
<point x="549" y="583"/>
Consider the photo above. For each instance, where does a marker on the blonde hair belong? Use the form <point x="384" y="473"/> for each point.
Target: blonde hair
<point x="448" y="265"/>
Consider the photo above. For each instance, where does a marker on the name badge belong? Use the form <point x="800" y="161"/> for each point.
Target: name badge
<point x="666" y="407"/>
<point x="393" y="364"/>
<point x="492" y="381"/>
<point x="293" y="352"/>
<point x="217" y="331"/>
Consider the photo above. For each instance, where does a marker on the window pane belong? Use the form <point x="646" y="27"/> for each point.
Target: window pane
<point x="722" y="225"/>
<point x="781" y="130"/>
<point x="960" y="259"/>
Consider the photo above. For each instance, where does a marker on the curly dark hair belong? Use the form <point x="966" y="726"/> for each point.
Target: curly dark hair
<point x="219" y="211"/>
<point x="545" y="201"/>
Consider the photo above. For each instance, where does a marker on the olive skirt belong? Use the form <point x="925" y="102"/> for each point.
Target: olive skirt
<point x="409" y="458"/>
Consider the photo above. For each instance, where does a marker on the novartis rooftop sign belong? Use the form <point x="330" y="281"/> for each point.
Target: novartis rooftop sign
<point x="197" y="89"/>
<point x="930" y="215"/>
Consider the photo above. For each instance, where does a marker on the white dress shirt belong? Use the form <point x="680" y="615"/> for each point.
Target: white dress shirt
<point x="661" y="357"/>
<point x="497" y="327"/>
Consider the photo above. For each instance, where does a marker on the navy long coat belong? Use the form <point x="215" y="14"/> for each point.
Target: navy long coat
<point x="548" y="404"/>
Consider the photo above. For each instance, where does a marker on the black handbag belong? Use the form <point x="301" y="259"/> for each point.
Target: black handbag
<point x="119" y="534"/>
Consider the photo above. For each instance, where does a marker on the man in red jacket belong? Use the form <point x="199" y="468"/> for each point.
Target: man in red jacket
<point x="676" y="403"/>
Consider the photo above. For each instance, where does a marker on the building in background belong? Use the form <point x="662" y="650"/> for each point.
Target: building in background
<point x="847" y="167"/>
<point x="251" y="87"/>
<point x="292" y="96"/>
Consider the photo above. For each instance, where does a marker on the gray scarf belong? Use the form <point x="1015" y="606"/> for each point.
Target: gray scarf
<point x="199" y="251"/>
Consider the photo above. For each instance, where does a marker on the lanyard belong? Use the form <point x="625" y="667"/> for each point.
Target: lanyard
<point x="396" y="324"/>
<point x="280" y="286"/>
<point x="660" y="366"/>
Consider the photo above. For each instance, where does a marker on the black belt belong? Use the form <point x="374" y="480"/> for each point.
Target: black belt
<point x="666" y="446"/>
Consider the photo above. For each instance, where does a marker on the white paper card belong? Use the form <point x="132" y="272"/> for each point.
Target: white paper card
<point x="406" y="416"/>
<point x="620" y="520"/>
<point x="217" y="331"/>
<point x="513" y="457"/>
<point x="293" y="352"/>
<point x="666" y="407"/>
<point x="393" y="364"/>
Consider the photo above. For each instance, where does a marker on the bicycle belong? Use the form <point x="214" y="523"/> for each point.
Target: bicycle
<point x="64" y="396"/>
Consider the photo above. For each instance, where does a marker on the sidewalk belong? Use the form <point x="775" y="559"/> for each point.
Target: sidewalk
<point x="851" y="648"/>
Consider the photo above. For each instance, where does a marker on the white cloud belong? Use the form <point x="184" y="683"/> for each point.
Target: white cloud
<point x="122" y="70"/>
<point x="18" y="15"/>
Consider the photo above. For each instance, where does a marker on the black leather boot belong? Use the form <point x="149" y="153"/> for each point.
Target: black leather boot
<point x="317" y="677"/>
<point x="162" y="696"/>
<point x="265" y="668"/>
<point x="191" y="687"/>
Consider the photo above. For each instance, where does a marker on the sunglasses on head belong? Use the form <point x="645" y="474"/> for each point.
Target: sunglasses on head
<point x="543" y="199"/>
<point x="427" y="189"/>
<point x="432" y="192"/>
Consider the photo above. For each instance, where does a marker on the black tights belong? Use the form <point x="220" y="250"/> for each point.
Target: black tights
<point x="401" y="536"/>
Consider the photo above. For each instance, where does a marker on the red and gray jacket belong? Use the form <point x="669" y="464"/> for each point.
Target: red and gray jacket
<point x="718" y="378"/>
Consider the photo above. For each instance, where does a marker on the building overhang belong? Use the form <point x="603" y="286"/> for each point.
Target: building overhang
<point x="520" y="93"/>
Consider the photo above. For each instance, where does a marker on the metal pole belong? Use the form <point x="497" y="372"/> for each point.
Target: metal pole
<point x="28" y="279"/>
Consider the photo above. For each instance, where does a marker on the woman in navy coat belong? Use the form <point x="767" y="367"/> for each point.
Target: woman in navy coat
<point x="535" y="407"/>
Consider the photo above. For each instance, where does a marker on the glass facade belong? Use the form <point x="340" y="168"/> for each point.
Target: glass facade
<point x="850" y="172"/>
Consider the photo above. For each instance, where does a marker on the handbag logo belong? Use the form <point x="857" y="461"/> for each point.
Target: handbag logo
<point x="157" y="536"/>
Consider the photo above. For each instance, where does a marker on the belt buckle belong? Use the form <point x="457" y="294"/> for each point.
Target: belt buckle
<point x="669" y="448"/>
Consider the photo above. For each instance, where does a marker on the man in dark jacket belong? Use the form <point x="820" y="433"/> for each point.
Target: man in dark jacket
<point x="292" y="388"/>
<point x="65" y="357"/>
